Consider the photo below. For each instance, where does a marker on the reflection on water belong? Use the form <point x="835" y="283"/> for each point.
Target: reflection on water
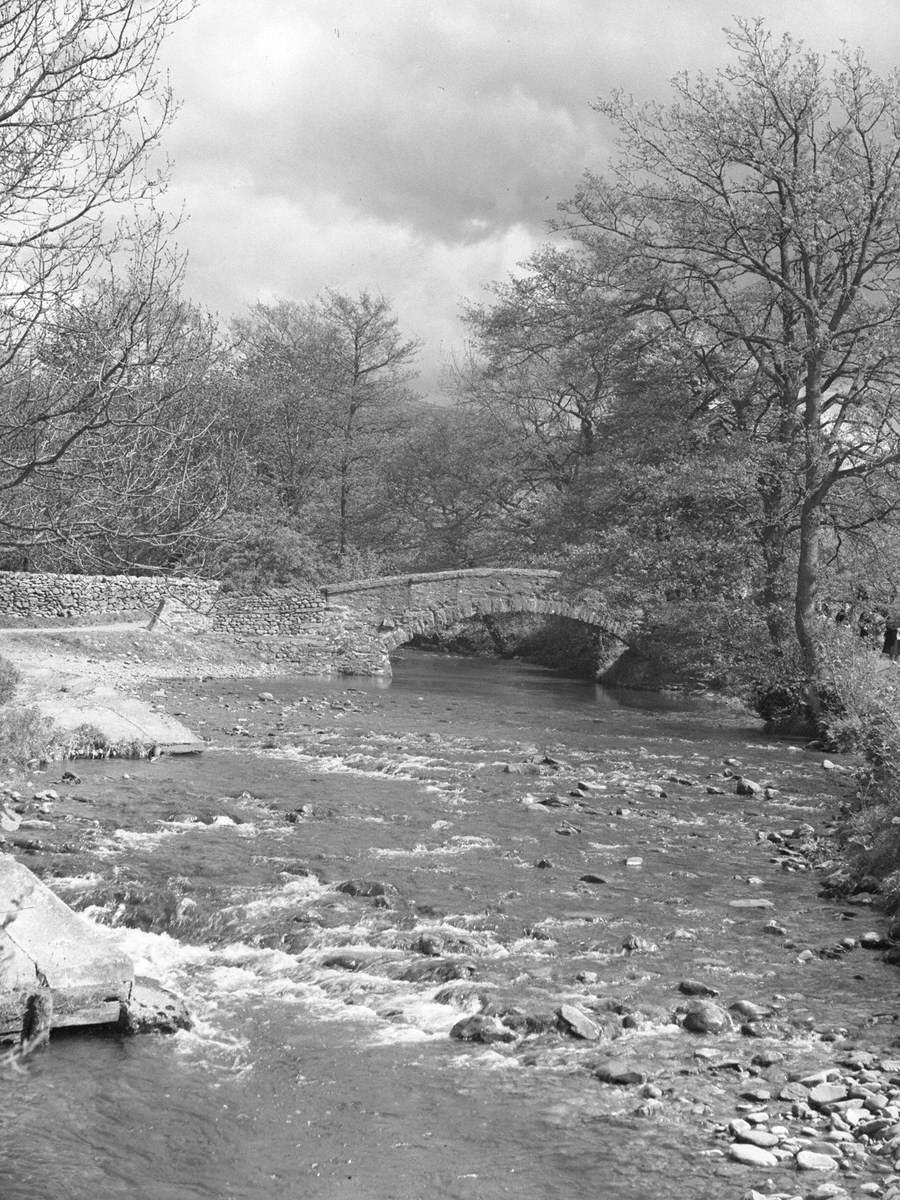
<point x="352" y="870"/>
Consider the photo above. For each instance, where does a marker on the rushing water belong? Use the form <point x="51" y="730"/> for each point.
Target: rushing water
<point x="320" y="1063"/>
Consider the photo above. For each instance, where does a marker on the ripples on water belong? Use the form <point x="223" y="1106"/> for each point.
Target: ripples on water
<point x="319" y="1064"/>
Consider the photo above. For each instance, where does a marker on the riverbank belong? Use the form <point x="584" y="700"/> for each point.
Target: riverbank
<point x="98" y="685"/>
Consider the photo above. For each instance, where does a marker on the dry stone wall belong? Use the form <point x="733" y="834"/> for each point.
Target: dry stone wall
<point x="36" y="596"/>
<point x="282" y="613"/>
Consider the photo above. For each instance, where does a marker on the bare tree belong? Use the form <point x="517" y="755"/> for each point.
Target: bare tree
<point x="330" y="381"/>
<point x="83" y="257"/>
<point x="764" y="206"/>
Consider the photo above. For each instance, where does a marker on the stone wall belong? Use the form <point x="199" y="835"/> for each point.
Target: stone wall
<point x="35" y="596"/>
<point x="282" y="613"/>
<point x="296" y="629"/>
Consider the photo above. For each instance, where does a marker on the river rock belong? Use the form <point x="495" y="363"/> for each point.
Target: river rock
<point x="746" y="1010"/>
<point x="436" y="970"/>
<point x="751" y="1156"/>
<point x="151" y="1007"/>
<point x="830" y="1191"/>
<point x="366" y="887"/>
<point x="702" y="1016"/>
<point x="747" y="787"/>
<point x="808" y="1160"/>
<point x="439" y="945"/>
<point x="872" y="940"/>
<point x="824" y="1094"/>
<point x="692" y="987"/>
<point x="619" y="1074"/>
<point x="480" y="1028"/>
<point x="575" y="1021"/>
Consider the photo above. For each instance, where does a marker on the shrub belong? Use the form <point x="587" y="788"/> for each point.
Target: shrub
<point x="862" y="714"/>
<point x="27" y="736"/>
<point x="9" y="678"/>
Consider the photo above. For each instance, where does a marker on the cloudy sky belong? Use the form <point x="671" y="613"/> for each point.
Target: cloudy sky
<point x="417" y="148"/>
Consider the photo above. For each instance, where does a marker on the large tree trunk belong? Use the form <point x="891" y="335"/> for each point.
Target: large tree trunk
<point x="773" y="597"/>
<point x="808" y="563"/>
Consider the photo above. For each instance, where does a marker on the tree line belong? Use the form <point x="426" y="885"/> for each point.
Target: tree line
<point x="689" y="397"/>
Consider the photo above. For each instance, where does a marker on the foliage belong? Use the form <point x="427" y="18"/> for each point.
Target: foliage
<point x="864" y="716"/>
<point x="323" y="392"/>
<point x="26" y="736"/>
<point x="253" y="551"/>
<point x="9" y="679"/>
<point x="451" y="480"/>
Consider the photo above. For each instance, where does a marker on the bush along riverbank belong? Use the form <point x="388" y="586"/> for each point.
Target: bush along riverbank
<point x="863" y="717"/>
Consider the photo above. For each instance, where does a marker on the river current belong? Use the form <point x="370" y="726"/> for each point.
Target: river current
<point x="350" y="870"/>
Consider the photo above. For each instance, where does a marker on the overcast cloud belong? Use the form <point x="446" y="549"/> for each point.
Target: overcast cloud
<point x="415" y="148"/>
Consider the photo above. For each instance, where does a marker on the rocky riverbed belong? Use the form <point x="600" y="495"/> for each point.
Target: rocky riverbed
<point x="617" y="918"/>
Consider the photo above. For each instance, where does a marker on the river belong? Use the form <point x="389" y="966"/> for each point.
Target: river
<point x="350" y="870"/>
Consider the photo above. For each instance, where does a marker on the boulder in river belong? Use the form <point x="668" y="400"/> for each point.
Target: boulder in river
<point x="751" y="1156"/>
<point x="575" y="1021"/>
<point x="151" y="1007"/>
<point x="747" y="787"/>
<point x="481" y="1028"/>
<point x="702" y="1016"/>
<point x="809" y="1160"/>
<point x="693" y="987"/>
<point x="366" y="887"/>
<point x="436" y="970"/>
<point x="620" y="1074"/>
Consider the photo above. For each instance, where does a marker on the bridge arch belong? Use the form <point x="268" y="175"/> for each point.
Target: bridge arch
<point x="448" y="616"/>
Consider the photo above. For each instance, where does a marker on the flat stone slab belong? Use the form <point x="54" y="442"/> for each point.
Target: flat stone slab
<point x="122" y="719"/>
<point x="46" y="948"/>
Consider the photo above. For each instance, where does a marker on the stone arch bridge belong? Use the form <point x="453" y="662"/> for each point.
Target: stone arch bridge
<point x="380" y="614"/>
<point x="351" y="628"/>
